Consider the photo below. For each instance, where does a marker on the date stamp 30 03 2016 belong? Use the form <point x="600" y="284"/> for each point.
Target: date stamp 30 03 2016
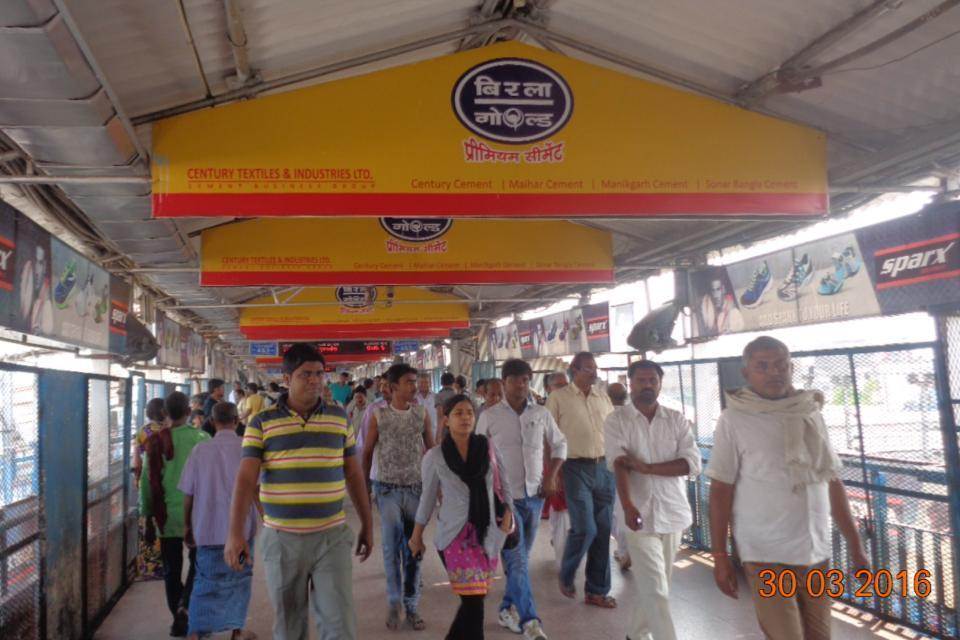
<point x="816" y="583"/>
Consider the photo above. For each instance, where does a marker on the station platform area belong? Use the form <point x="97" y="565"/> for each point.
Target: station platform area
<point x="700" y="611"/>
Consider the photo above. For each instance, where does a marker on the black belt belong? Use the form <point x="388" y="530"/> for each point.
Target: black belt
<point x="600" y="460"/>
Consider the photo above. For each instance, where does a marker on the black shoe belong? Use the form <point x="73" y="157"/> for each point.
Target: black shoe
<point x="180" y="625"/>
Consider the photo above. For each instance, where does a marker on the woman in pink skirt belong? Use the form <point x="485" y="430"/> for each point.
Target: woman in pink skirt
<point x="475" y="516"/>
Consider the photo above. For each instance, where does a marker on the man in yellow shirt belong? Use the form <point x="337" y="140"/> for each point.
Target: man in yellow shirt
<point x="252" y="403"/>
<point x="580" y="410"/>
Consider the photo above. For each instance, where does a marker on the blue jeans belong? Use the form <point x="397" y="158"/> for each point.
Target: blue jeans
<point x="516" y="561"/>
<point x="591" y="490"/>
<point x="398" y="508"/>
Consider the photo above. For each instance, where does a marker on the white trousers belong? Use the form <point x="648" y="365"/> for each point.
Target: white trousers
<point x="619" y="531"/>
<point x="559" y="524"/>
<point x="652" y="555"/>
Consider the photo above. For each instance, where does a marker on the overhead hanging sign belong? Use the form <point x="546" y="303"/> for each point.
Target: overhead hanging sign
<point x="47" y="289"/>
<point x="426" y="251"/>
<point x="903" y="265"/>
<point x="355" y="312"/>
<point x="507" y="130"/>
<point x="334" y="350"/>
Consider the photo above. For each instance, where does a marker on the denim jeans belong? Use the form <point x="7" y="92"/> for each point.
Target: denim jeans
<point x="591" y="491"/>
<point x="398" y="508"/>
<point x="516" y="561"/>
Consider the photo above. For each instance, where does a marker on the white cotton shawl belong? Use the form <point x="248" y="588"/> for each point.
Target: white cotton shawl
<point x="810" y="458"/>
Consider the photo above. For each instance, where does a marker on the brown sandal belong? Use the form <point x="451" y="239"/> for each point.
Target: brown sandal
<point x="568" y="590"/>
<point x="604" y="602"/>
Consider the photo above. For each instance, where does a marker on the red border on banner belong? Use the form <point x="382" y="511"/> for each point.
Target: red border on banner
<point x="538" y="205"/>
<point x="353" y="331"/>
<point x="339" y="359"/>
<point x="917" y="280"/>
<point x="279" y="278"/>
<point x="914" y="245"/>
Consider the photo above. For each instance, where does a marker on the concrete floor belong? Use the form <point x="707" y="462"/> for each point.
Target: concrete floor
<point x="699" y="610"/>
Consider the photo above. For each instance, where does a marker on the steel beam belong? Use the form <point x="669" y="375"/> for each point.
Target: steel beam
<point x="105" y="179"/>
<point x="313" y="74"/>
<point x="795" y="75"/>
<point x="91" y="60"/>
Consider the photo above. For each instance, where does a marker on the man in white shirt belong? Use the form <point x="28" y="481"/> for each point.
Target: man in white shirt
<point x="426" y="398"/>
<point x="775" y="475"/>
<point x="518" y="428"/>
<point x="651" y="450"/>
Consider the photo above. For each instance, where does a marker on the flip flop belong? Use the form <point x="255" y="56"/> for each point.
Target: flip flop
<point x="568" y="590"/>
<point x="393" y="619"/>
<point x="415" y="622"/>
<point x="604" y="602"/>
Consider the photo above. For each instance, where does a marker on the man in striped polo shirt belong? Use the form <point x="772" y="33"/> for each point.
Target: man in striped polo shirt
<point x="302" y="452"/>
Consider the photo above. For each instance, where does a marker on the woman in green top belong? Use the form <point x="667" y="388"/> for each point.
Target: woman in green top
<point x="148" y="555"/>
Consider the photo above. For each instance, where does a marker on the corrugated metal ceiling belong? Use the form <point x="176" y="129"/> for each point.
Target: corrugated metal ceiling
<point x="889" y="115"/>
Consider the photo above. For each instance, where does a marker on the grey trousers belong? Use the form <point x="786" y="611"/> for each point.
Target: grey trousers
<point x="289" y="559"/>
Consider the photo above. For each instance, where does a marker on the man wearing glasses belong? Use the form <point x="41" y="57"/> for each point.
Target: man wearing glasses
<point x="580" y="410"/>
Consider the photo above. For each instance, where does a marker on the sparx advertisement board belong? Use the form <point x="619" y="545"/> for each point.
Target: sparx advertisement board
<point x="47" y="289"/>
<point x="404" y="251"/>
<point x="507" y="130"/>
<point x="903" y="265"/>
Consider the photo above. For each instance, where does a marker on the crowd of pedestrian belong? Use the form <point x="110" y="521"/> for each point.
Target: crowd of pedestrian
<point x="598" y="462"/>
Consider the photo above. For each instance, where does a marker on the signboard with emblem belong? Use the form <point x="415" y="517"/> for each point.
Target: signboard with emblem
<point x="507" y="130"/>
<point x="426" y="251"/>
<point x="342" y="313"/>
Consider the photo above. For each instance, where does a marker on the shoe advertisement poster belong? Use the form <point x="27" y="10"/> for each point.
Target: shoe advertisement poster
<point x="564" y="333"/>
<point x="81" y="298"/>
<point x="822" y="281"/>
<point x="47" y="289"/>
<point x="32" y="310"/>
<point x="505" y="342"/>
<point x="714" y="304"/>
<point x="168" y="335"/>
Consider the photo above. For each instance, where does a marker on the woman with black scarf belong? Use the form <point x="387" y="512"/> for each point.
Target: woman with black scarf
<point x="475" y="516"/>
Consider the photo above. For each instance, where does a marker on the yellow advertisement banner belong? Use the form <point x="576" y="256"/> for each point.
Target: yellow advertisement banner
<point x="507" y="130"/>
<point x="355" y="312"/>
<point x="410" y="251"/>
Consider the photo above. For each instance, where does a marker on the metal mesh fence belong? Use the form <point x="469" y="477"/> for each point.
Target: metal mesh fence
<point x="881" y="412"/>
<point x="106" y="408"/>
<point x="19" y="506"/>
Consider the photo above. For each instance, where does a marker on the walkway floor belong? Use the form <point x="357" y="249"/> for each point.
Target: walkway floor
<point x="700" y="611"/>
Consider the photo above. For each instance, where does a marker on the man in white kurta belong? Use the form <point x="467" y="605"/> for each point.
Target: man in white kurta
<point x="651" y="450"/>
